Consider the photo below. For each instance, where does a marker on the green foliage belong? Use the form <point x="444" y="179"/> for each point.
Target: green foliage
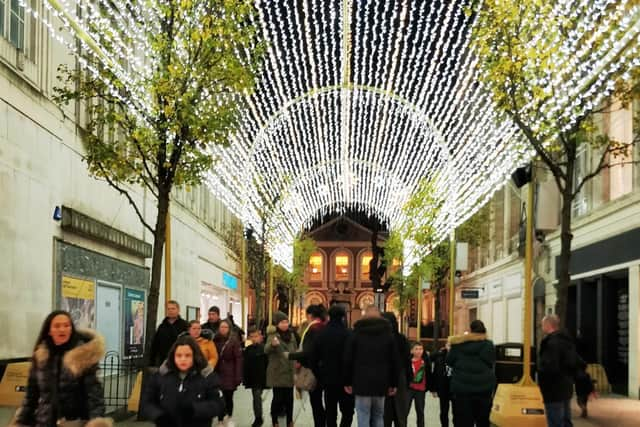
<point x="191" y="95"/>
<point x="303" y="248"/>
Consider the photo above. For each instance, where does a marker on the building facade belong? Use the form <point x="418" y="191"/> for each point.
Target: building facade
<point x="68" y="240"/>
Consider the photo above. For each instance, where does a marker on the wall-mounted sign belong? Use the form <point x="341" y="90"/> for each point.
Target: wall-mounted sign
<point x="229" y="281"/>
<point x="470" y="293"/>
<point x="134" y="322"/>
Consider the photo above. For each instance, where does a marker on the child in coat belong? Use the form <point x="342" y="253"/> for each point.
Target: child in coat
<point x="255" y="371"/>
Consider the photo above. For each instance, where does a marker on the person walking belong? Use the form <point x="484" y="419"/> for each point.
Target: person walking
<point x="184" y="391"/>
<point x="62" y="386"/>
<point x="584" y="387"/>
<point x="328" y="359"/>
<point x="280" y="342"/>
<point x="254" y="372"/>
<point x="419" y="380"/>
<point x="206" y="345"/>
<point x="395" y="407"/>
<point x="210" y="327"/>
<point x="229" y="368"/>
<point x="557" y="367"/>
<point x="472" y="359"/>
<point x="441" y="382"/>
<point x="168" y="331"/>
<point x="315" y="324"/>
<point x="371" y="367"/>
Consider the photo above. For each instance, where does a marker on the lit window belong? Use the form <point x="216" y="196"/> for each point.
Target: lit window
<point x="315" y="267"/>
<point x="395" y="266"/>
<point x="342" y="267"/>
<point x="365" y="263"/>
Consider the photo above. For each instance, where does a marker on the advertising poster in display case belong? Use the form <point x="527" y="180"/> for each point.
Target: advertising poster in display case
<point x="78" y="297"/>
<point x="134" y="322"/>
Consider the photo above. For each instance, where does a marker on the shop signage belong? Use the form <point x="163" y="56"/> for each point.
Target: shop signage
<point x="78" y="298"/>
<point x="229" y="281"/>
<point x="470" y="293"/>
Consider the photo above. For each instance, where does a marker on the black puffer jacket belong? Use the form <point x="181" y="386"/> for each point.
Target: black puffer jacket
<point x="557" y="366"/>
<point x="254" y="367"/>
<point x="441" y="378"/>
<point x="170" y="401"/>
<point x="472" y="360"/>
<point x="371" y="358"/>
<point x="165" y="336"/>
<point x="68" y="378"/>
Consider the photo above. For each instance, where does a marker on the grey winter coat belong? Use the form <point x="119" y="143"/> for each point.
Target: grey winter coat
<point x="78" y="394"/>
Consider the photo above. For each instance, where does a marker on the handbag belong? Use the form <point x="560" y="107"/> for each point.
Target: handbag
<point x="303" y="378"/>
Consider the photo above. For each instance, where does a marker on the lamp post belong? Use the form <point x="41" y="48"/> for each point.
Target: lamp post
<point x="452" y="278"/>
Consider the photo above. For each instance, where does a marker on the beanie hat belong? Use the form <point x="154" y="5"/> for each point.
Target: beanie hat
<point x="278" y="317"/>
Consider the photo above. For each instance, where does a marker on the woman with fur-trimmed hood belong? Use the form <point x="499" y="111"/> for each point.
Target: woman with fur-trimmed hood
<point x="472" y="360"/>
<point x="63" y="386"/>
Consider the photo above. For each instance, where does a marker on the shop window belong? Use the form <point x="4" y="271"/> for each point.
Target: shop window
<point x="342" y="267"/>
<point x="365" y="266"/>
<point x="315" y="267"/>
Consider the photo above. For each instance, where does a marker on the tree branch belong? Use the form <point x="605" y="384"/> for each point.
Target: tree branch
<point x="125" y="193"/>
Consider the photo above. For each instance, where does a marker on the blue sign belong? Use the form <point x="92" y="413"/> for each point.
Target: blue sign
<point x="229" y="280"/>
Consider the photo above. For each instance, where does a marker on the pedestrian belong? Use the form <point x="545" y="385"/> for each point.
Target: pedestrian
<point x="472" y="360"/>
<point x="63" y="387"/>
<point x="207" y="346"/>
<point x="237" y="330"/>
<point x="168" y="331"/>
<point x="419" y="380"/>
<point x="254" y="372"/>
<point x="395" y="407"/>
<point x="316" y="314"/>
<point x="557" y="366"/>
<point x="184" y="392"/>
<point x="328" y="358"/>
<point x="210" y="327"/>
<point x="441" y="380"/>
<point x="371" y="367"/>
<point x="229" y="368"/>
<point x="584" y="387"/>
<point x="280" y="342"/>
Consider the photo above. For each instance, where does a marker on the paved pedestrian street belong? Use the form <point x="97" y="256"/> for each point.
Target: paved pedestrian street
<point x="604" y="412"/>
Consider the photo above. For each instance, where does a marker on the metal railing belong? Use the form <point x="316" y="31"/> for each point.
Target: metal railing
<point x="118" y="376"/>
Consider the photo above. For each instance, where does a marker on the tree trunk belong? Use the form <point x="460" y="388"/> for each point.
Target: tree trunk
<point x="564" y="273"/>
<point x="156" y="273"/>
<point x="436" y="320"/>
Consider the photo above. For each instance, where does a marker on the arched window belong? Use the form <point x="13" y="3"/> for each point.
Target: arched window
<point x="395" y="266"/>
<point x="315" y="267"/>
<point x="343" y="268"/>
<point x="365" y="263"/>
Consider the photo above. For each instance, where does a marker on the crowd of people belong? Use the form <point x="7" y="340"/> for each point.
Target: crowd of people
<point x="371" y="371"/>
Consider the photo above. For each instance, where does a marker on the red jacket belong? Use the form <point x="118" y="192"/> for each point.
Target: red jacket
<point x="229" y="367"/>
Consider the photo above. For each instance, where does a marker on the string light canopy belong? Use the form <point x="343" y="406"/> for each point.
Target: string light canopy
<point x="357" y="102"/>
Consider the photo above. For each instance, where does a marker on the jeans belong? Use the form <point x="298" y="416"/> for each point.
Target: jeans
<point x="472" y="409"/>
<point x="418" y="397"/>
<point x="256" y="393"/>
<point x="334" y="397"/>
<point x="317" y="407"/>
<point x="558" y="413"/>
<point x="370" y="411"/>
<point x="282" y="402"/>
<point x="227" y="395"/>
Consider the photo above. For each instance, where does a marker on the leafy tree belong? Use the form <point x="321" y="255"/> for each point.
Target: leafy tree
<point x="293" y="281"/>
<point x="152" y="126"/>
<point x="525" y="50"/>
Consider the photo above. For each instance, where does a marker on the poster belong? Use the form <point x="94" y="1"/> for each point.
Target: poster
<point x="78" y="297"/>
<point x="134" y="322"/>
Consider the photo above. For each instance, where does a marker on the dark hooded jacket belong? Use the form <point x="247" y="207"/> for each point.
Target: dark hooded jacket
<point x="472" y="360"/>
<point x="441" y="378"/>
<point x="371" y="358"/>
<point x="254" y="367"/>
<point x="557" y="366"/>
<point x="304" y="356"/>
<point x="328" y="353"/>
<point x="171" y="401"/>
<point x="66" y="380"/>
<point x="165" y="336"/>
<point x="229" y="366"/>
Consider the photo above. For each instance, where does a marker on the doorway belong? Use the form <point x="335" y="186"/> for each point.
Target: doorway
<point x="109" y="315"/>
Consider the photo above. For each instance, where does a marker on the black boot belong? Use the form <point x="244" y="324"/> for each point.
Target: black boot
<point x="257" y="423"/>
